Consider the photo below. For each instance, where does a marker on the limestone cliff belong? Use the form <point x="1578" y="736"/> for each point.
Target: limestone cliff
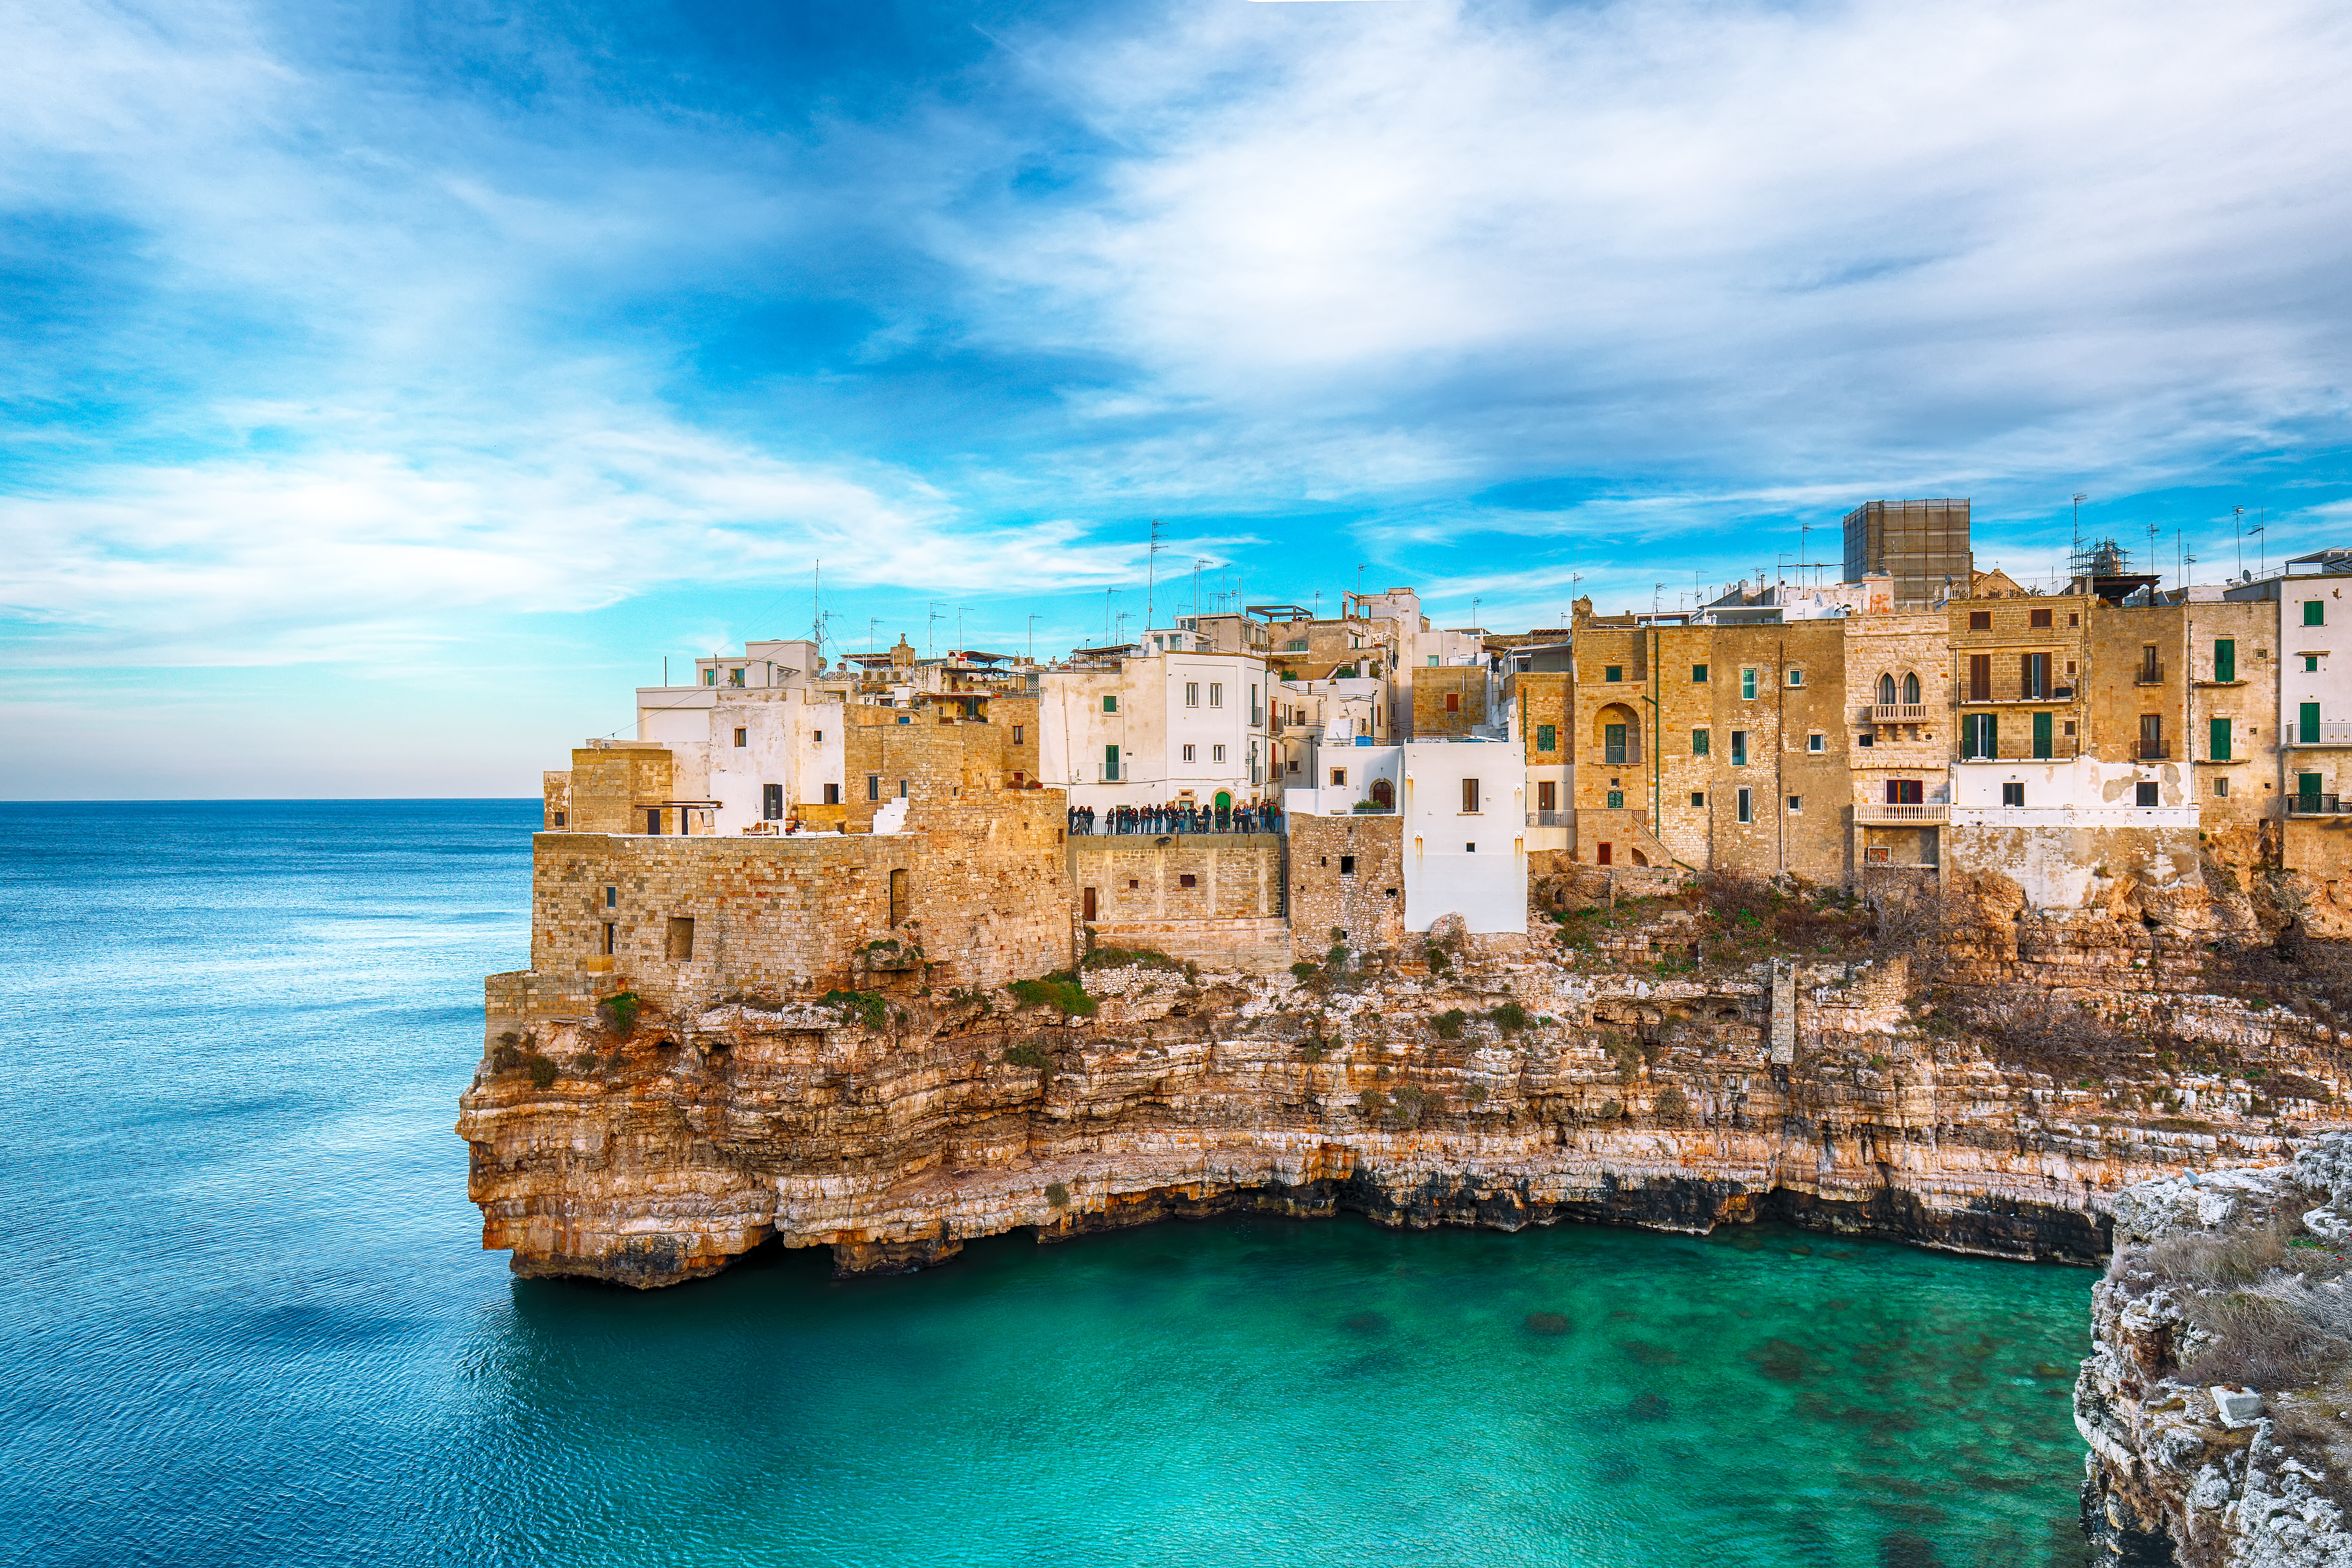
<point x="2213" y="1399"/>
<point x="1683" y="1063"/>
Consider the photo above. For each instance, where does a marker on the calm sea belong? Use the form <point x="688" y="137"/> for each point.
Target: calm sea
<point x="248" y="1318"/>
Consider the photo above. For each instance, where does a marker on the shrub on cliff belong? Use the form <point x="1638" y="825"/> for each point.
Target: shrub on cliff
<point x="1448" y="1024"/>
<point x="1128" y="958"/>
<point x="865" y="1008"/>
<point x="620" y="1011"/>
<point x="1028" y="1054"/>
<point x="544" y="1071"/>
<point x="1672" y="1104"/>
<point x="1060" y="992"/>
<point x="1510" y="1017"/>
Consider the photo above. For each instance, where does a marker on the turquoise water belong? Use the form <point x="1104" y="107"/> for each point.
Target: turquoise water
<point x="248" y="1320"/>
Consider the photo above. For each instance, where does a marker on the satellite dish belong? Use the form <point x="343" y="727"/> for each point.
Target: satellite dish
<point x="2245" y="576"/>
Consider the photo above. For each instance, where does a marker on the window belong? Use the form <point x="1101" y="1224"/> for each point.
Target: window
<point x="1216" y="753"/>
<point x="1469" y="849"/>
<point x="1748" y="683"/>
<point x="1613" y="744"/>
<point x="1865" y="739"/>
<point x="1796" y="805"/>
<point x="1018" y="730"/>
<point x="2222" y="783"/>
<point x="1612" y="672"/>
<point x="654" y="821"/>
<point x="2307" y="724"/>
<point x="1339" y="776"/>
<point x="710" y="677"/>
<point x="1187" y="880"/>
<point x="1979" y="678"/>
<point x="1740" y="748"/>
<point x="1979" y="620"/>
<point x="1016" y="735"/>
<point x="742" y="736"/>
<point x="679" y="948"/>
<point x="735" y="675"/>
<point x="874" y="786"/>
<point x="1110" y="704"/>
<point x="832" y="793"/>
<point x="1816" y="742"/>
<point x="1547" y="738"/>
<point x="902" y="789"/>
<point x="901" y="901"/>
<point x="2144" y="794"/>
<point x="2151" y="670"/>
<point x="1347" y="864"/>
<point x="1432" y="661"/>
<point x="2012" y="794"/>
<point x="1886" y="691"/>
<point x="906" y="718"/>
<point x="1453" y="702"/>
<point x="612" y="897"/>
<point x="1905" y="792"/>
<point x="1298" y="645"/>
<point x="1604" y="850"/>
<point x="2037" y="618"/>
<point x="2033" y="676"/>
<point x="2217" y="739"/>
<point x="1911" y="689"/>
<point x="1293" y="765"/>
<point x="1698" y="675"/>
<point x="2074" y="620"/>
<point x="1110" y="764"/>
<point x="559" y="819"/>
<point x="2314" y="611"/>
<point x="2225" y="658"/>
<point x="1216" y="694"/>
<point x="1547" y="795"/>
<point x="771" y="803"/>
<point x="1698" y="742"/>
<point x="2042" y="744"/>
<point x="610" y="931"/>
<point x="1187" y="753"/>
<point x="1191" y="694"/>
<point x="1469" y="796"/>
<point x="1616" y="800"/>
<point x="1698" y="798"/>
<point x="2310" y="662"/>
<point x="1979" y="735"/>
<point x="1745" y="812"/>
<point x="1796" y="678"/>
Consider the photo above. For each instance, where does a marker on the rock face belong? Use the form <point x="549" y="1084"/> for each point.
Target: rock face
<point x="1645" y="1071"/>
<point x="2224" y="1276"/>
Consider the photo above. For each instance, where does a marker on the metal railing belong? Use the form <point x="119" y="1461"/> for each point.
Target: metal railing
<point x="2158" y="752"/>
<point x="2149" y="674"/>
<point x="2060" y="749"/>
<point x="1879" y="813"/>
<point x="1547" y="819"/>
<point x="2315" y="805"/>
<point x="2328" y="734"/>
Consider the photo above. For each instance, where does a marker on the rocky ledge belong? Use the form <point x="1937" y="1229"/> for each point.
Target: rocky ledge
<point x="1679" y="1064"/>
<point x="2215" y="1399"/>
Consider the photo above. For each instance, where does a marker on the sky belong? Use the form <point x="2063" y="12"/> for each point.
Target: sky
<point x="390" y="388"/>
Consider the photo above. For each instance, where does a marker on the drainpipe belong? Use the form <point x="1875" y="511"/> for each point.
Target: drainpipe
<point x="1780" y="749"/>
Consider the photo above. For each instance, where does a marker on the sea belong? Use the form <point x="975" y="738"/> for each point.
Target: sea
<point x="248" y="1318"/>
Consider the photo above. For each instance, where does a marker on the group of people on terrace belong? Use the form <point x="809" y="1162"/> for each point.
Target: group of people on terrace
<point x="1176" y="816"/>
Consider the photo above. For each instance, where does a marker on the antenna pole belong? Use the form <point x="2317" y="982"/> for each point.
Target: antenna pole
<point x="1151" y="577"/>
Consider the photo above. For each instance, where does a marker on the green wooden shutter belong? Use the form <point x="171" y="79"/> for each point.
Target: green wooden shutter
<point x="2314" y="611"/>
<point x="2217" y="741"/>
<point x="2308" y="724"/>
<point x="1110" y="764"/>
<point x="2225" y="658"/>
<point x="2042" y="736"/>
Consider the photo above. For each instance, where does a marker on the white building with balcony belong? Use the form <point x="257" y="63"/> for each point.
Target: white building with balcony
<point x="1463" y="805"/>
<point x="753" y="737"/>
<point x="1175" y="723"/>
<point x="2315" y="680"/>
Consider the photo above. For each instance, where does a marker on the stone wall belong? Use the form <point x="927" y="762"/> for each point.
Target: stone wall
<point x="1347" y="873"/>
<point x="1432" y="719"/>
<point x="980" y="882"/>
<point x="609" y="780"/>
<point x="928" y="759"/>
<point x="1178" y="876"/>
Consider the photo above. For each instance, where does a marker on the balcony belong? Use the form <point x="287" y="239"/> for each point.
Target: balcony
<point x="2150" y="673"/>
<point x="1547" y="819"/>
<point x="1879" y="815"/>
<point x="2154" y="751"/>
<point x="2060" y="749"/>
<point x="2335" y="735"/>
<point x="1897" y="713"/>
<point x="2316" y="806"/>
<point x="1622" y="755"/>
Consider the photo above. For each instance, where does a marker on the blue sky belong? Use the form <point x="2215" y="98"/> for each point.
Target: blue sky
<point x="390" y="388"/>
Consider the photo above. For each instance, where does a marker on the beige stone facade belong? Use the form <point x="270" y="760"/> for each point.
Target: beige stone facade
<point x="1346" y="873"/>
<point x="1448" y="701"/>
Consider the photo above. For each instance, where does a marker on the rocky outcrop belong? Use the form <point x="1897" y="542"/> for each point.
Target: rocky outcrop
<point x="2212" y="1401"/>
<point x="1660" y="1066"/>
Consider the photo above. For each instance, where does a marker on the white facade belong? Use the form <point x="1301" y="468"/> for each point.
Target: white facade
<point x="1319" y="716"/>
<point x="2315" y="689"/>
<point x="1155" y="728"/>
<point x="1466" y="855"/>
<point x="2085" y="792"/>
<point x="752" y="734"/>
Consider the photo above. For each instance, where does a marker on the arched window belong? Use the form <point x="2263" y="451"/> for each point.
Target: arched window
<point x="1384" y="794"/>
<point x="1911" y="689"/>
<point x="1887" y="690"/>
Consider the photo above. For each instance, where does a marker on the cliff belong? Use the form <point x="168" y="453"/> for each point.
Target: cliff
<point x="2213" y="1400"/>
<point x="1986" y="1081"/>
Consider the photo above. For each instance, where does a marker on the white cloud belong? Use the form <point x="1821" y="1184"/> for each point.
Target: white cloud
<point x="1960" y="239"/>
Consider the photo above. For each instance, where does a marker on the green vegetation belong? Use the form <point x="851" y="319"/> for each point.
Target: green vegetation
<point x="1059" y="991"/>
<point x="1448" y="1024"/>
<point x="865" y="1008"/>
<point x="1130" y="958"/>
<point x="1057" y="1195"/>
<point x="1510" y="1017"/>
<point x="1028" y="1054"/>
<point x="1438" y="963"/>
<point x="1304" y="971"/>
<point x="544" y="1071"/>
<point x="620" y="1011"/>
<point x="1672" y="1104"/>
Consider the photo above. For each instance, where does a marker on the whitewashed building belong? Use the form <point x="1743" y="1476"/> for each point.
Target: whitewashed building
<point x="1172" y="723"/>
<point x="752" y="736"/>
